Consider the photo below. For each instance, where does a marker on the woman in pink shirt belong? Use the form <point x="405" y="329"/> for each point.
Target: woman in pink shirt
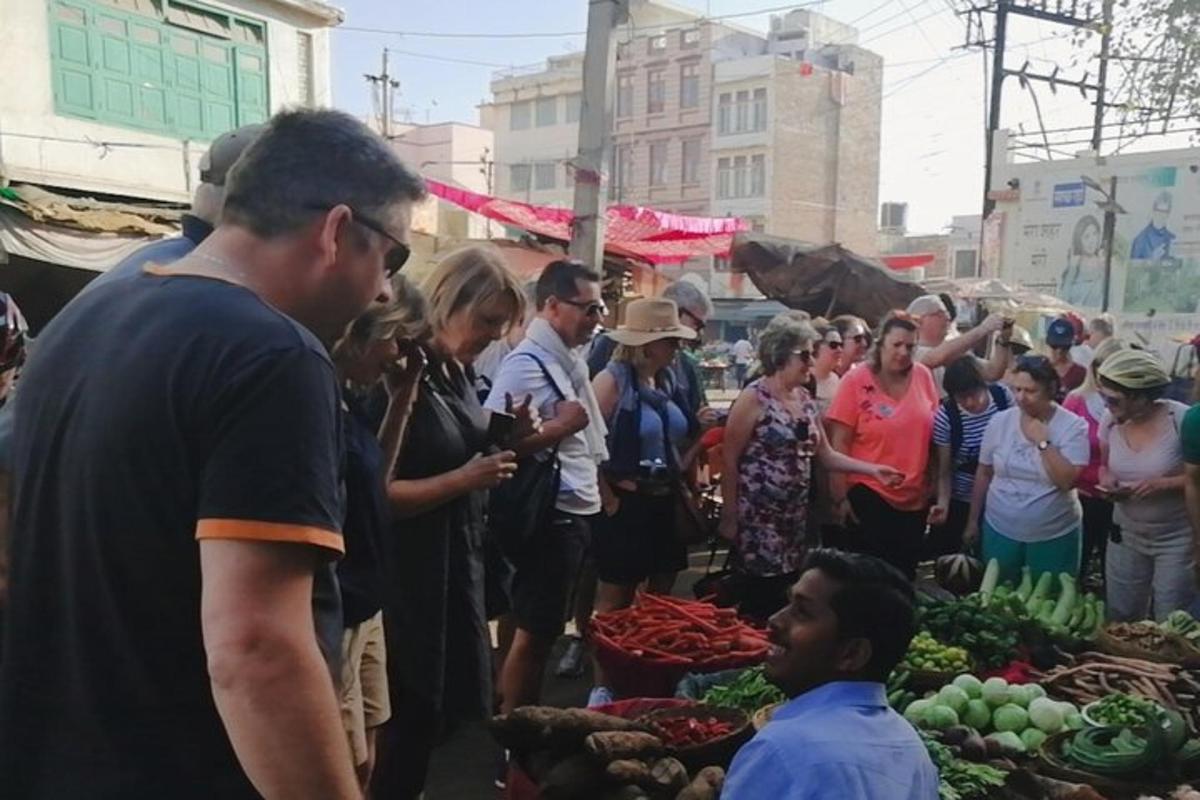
<point x="1087" y="402"/>
<point x="883" y="414"/>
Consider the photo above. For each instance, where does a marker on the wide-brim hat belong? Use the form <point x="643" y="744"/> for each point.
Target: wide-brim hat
<point x="648" y="320"/>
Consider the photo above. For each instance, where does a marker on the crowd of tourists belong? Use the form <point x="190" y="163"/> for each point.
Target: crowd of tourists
<point x="266" y="495"/>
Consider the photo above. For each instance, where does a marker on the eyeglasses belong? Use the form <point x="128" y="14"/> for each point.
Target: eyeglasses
<point x="804" y="355"/>
<point x="833" y="345"/>
<point x="395" y="258"/>
<point x="859" y="338"/>
<point x="590" y="309"/>
<point x="1110" y="400"/>
<point x="699" y="323"/>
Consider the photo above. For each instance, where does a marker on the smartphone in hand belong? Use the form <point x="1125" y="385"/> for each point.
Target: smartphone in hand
<point x="500" y="427"/>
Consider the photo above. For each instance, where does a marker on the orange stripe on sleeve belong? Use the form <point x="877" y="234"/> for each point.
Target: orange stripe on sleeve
<point x="257" y="530"/>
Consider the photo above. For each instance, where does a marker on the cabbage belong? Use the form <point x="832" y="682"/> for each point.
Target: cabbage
<point x="1021" y="695"/>
<point x="1046" y="715"/>
<point x="1032" y="738"/>
<point x="939" y="717"/>
<point x="953" y="697"/>
<point x="970" y="684"/>
<point x="916" y="710"/>
<point x="1006" y="739"/>
<point x="1035" y="691"/>
<point x="995" y="692"/>
<point x="1010" y="717"/>
<point x="978" y="715"/>
<point x="1067" y="708"/>
<point x="1074" y="721"/>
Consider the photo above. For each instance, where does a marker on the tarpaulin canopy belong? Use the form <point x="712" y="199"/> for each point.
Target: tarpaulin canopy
<point x="907" y="260"/>
<point x="646" y="234"/>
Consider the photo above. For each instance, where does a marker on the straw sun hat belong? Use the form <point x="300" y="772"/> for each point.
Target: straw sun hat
<point x="648" y="320"/>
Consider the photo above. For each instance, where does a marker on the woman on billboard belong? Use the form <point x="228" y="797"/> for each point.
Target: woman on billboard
<point x="1082" y="281"/>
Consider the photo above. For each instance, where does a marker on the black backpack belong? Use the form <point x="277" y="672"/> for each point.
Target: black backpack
<point x="999" y="397"/>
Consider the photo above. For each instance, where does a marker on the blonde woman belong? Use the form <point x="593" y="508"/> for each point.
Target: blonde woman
<point x="440" y="663"/>
<point x="382" y="344"/>
<point x="1087" y="403"/>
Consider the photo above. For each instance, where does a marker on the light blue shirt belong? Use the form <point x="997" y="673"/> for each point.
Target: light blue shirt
<point x="839" y="740"/>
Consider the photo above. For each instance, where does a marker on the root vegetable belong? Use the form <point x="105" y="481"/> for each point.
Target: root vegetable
<point x="705" y="786"/>
<point x="618" y="745"/>
<point x="628" y="770"/>
<point x="669" y="775"/>
<point x="559" y="729"/>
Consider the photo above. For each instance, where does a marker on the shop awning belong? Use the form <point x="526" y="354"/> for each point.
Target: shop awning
<point x="908" y="260"/>
<point x="645" y="234"/>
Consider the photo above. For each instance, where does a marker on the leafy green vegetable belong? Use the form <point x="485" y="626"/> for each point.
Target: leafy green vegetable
<point x="1046" y="715"/>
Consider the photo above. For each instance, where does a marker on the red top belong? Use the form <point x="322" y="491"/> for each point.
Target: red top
<point x="1090" y="476"/>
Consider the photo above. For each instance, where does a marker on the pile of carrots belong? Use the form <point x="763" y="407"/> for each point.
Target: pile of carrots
<point x="669" y="630"/>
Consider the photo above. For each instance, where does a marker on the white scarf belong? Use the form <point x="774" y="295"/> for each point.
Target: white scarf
<point x="574" y="370"/>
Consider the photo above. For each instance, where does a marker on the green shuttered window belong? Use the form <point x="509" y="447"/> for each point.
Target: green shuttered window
<point x="180" y="69"/>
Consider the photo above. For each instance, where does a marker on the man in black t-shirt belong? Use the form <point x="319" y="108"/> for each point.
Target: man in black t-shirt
<point x="176" y="497"/>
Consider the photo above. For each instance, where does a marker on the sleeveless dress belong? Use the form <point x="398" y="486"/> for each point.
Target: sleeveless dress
<point x="774" y="478"/>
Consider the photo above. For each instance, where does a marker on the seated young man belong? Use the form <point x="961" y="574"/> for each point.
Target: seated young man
<point x="848" y="623"/>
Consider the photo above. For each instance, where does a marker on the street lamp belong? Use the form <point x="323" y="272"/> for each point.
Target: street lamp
<point x="1111" y="208"/>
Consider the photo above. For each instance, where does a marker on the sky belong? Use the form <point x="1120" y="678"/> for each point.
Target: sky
<point x="932" y="151"/>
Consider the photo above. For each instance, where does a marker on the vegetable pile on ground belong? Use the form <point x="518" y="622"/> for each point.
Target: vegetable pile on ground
<point x="928" y="654"/>
<point x="749" y="691"/>
<point x="898" y="694"/>
<point x="669" y="630"/>
<point x="1065" y="614"/>
<point x="1149" y="743"/>
<point x="989" y="635"/>
<point x="1001" y="719"/>
<point x="1089" y="677"/>
<point x="961" y="779"/>
<point x="576" y="754"/>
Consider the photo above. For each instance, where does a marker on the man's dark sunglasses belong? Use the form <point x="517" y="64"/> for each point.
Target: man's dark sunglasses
<point x="395" y="258"/>
<point x="833" y="345"/>
<point x="700" y="324"/>
<point x="591" y="309"/>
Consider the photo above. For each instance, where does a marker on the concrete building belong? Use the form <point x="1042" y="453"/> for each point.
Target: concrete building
<point x="454" y="153"/>
<point x="121" y="97"/>
<point x="781" y="128"/>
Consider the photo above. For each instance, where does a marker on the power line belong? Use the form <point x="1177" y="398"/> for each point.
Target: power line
<point x="560" y="34"/>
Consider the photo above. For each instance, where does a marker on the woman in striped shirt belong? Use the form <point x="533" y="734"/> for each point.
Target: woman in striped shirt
<point x="958" y="426"/>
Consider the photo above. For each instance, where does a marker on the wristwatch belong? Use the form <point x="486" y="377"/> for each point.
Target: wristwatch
<point x="1043" y="444"/>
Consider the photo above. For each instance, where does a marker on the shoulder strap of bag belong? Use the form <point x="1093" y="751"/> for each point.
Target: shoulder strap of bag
<point x="553" y="386"/>
<point x="954" y="417"/>
<point x="999" y="396"/>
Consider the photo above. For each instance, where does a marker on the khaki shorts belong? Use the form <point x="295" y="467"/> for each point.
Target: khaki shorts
<point x="364" y="699"/>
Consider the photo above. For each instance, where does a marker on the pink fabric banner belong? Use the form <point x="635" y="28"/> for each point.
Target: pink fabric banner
<point x="647" y="234"/>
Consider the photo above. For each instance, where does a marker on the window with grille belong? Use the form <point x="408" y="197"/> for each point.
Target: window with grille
<point x="741" y="114"/>
<point x="758" y="176"/>
<point x="658" y="163"/>
<point x="520" y="115"/>
<point x="546" y="110"/>
<point x="624" y="95"/>
<point x="543" y="175"/>
<point x="689" y="86"/>
<point x="518" y="177"/>
<point x="657" y="44"/>
<point x="574" y="106"/>
<point x="622" y="169"/>
<point x="964" y="263"/>
<point x="656" y="91"/>
<point x="759" y="116"/>
<point x="178" y="69"/>
<point x="691" y="161"/>
<point x="725" y="114"/>
<point x="689" y="38"/>
<point x="724" y="178"/>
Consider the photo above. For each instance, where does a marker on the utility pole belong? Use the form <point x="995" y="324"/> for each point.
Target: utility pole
<point x="595" y="131"/>
<point x="1106" y="20"/>
<point x="386" y="85"/>
<point x="994" y="109"/>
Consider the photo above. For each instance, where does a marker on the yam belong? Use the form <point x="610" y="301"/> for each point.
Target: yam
<point x="705" y="786"/>
<point x="629" y="770"/>
<point x="616" y="745"/>
<point x="559" y="729"/>
<point x="669" y="775"/>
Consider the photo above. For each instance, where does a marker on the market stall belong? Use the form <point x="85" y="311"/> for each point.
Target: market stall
<point x="1019" y="691"/>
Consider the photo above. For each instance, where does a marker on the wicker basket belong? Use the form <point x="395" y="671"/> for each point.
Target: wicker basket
<point x="1052" y="764"/>
<point x="715" y="752"/>
<point x="763" y="716"/>
<point x="1178" y="651"/>
<point x="632" y="675"/>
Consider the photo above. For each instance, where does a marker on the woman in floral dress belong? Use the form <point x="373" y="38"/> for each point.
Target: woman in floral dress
<point x="771" y="437"/>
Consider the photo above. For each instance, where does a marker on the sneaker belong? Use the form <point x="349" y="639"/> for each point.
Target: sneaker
<point x="571" y="663"/>
<point x="599" y="696"/>
<point x="501" y="781"/>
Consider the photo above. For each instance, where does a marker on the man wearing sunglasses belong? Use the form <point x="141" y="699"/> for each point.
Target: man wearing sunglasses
<point x="174" y="622"/>
<point x="935" y="350"/>
<point x="548" y="368"/>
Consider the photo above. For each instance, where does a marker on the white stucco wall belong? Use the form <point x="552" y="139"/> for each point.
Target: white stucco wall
<point x="39" y="146"/>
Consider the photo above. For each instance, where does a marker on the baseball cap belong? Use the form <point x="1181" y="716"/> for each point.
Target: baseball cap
<point x="225" y="150"/>
<point x="1060" y="333"/>
<point x="927" y="304"/>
